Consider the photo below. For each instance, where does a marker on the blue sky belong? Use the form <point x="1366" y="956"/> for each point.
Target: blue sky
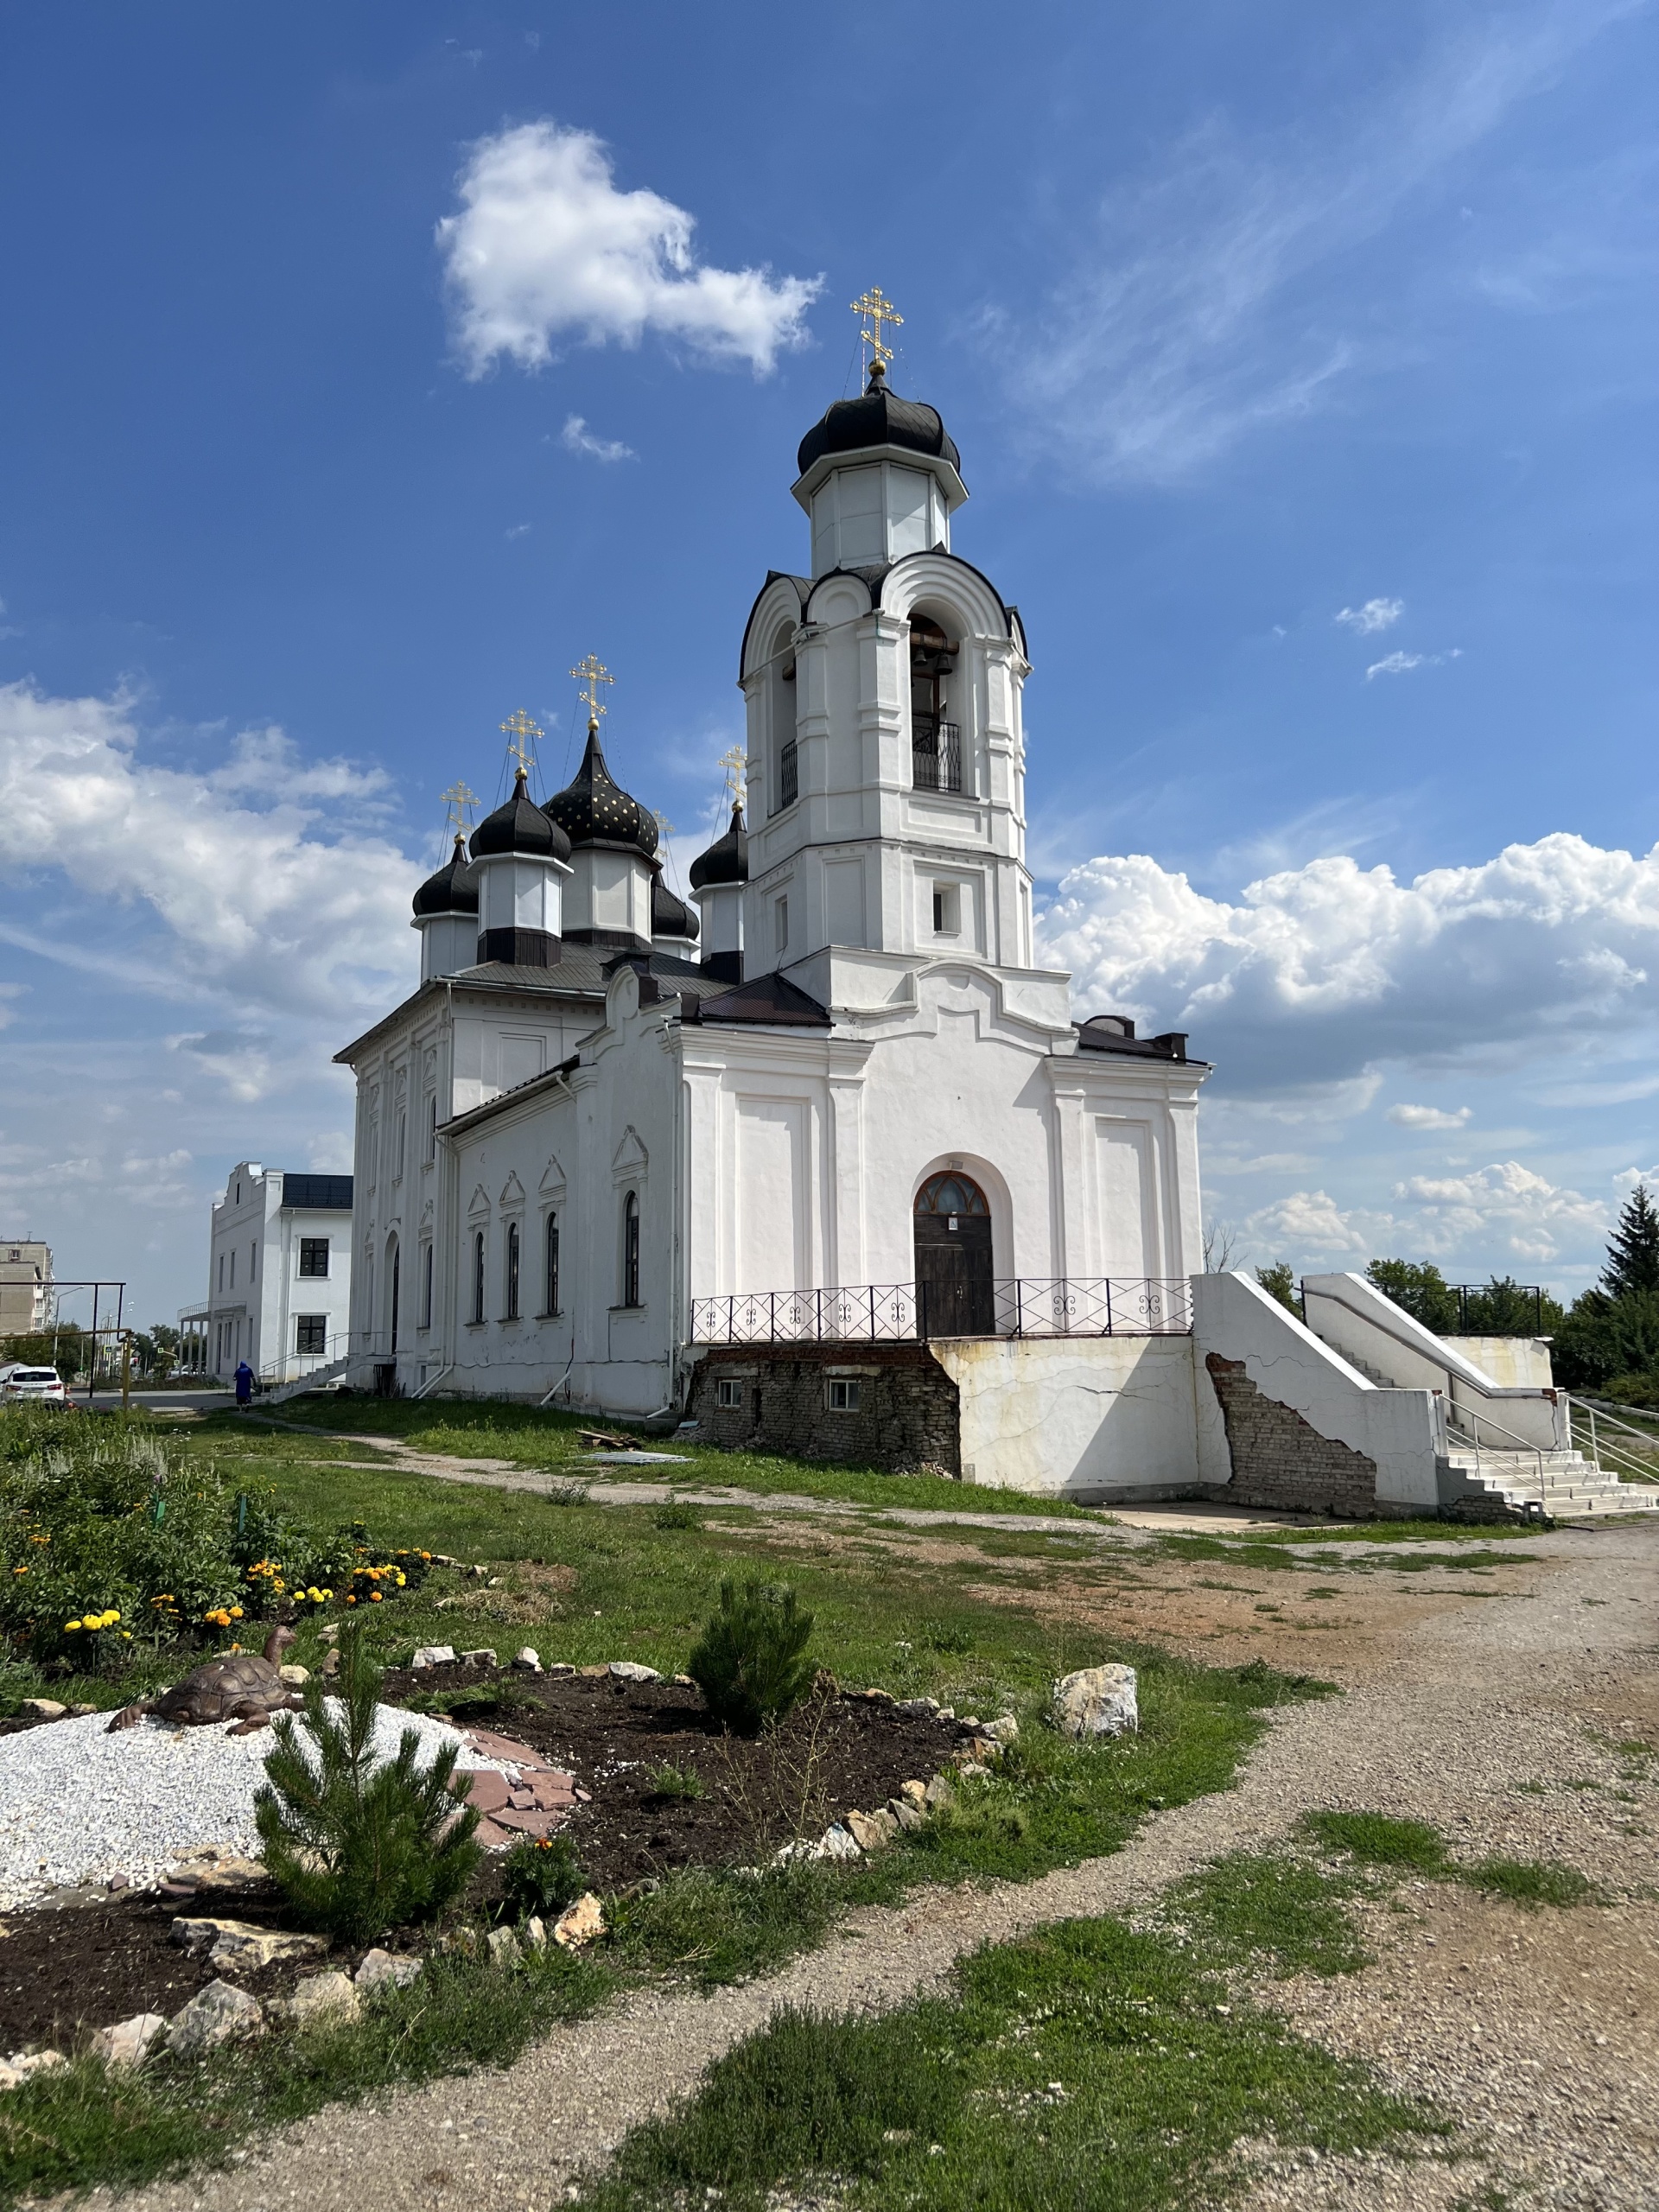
<point x="366" y="367"/>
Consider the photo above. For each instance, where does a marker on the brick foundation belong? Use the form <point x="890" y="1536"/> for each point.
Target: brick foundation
<point x="1281" y="1461"/>
<point x="907" y="1418"/>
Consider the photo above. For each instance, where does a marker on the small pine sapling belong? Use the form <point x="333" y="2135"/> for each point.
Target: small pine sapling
<point x="750" y="1662"/>
<point x="540" y="1876"/>
<point x="360" y="1843"/>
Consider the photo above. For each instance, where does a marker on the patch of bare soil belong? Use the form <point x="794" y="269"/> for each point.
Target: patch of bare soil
<point x="639" y="1749"/>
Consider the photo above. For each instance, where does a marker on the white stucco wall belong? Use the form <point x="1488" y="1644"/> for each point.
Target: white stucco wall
<point x="1089" y="1418"/>
<point x="1521" y="1362"/>
<point x="1397" y="1429"/>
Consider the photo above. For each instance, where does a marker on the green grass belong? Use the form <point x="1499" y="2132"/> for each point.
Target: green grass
<point x="1275" y="1552"/>
<point x="488" y="1429"/>
<point x="81" y="2124"/>
<point x="1091" y="2065"/>
<point x="1375" y="1840"/>
<point x="1530" y="1882"/>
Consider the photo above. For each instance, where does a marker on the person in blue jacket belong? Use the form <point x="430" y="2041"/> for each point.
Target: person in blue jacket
<point x="244" y="1383"/>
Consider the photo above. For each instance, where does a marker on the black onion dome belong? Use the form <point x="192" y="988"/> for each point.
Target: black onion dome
<point x="453" y="890"/>
<point x="878" y="417"/>
<point x="727" y="859"/>
<point x="594" y="809"/>
<point x="670" y="916"/>
<point x="520" y="826"/>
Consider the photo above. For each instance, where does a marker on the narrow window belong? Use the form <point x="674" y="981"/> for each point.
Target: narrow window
<point x="728" y="1393"/>
<point x="426" y="1286"/>
<point x="233" y="1266"/>
<point x="550" y="1301"/>
<point x="631" y="1250"/>
<point x="431" y="1128"/>
<point x="780" y="920"/>
<point x="843" y="1394"/>
<point x="935" y="740"/>
<point x="311" y="1334"/>
<point x="789" y="775"/>
<point x="513" y="1271"/>
<point x="221" y="1271"/>
<point x="478" y="1276"/>
<point x="402" y="1148"/>
<point x="947" y="909"/>
<point x="313" y="1256"/>
<point x="396" y="1272"/>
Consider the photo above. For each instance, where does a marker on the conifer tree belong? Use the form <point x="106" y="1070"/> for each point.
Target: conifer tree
<point x="1633" y="1248"/>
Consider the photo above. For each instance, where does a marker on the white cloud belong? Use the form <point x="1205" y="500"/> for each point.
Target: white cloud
<point x="1187" y="323"/>
<point x="517" y="530"/>
<point x="547" y="248"/>
<point x="1376" y="614"/>
<point x="1402" y="664"/>
<point x="575" y="437"/>
<point x="1321" y="974"/>
<point x="1538" y="1215"/>
<point x="1429" y="1118"/>
<point x="1307" y="1221"/>
<point x="252" y="902"/>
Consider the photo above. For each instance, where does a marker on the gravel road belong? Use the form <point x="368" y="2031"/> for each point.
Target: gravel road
<point x="1488" y="1726"/>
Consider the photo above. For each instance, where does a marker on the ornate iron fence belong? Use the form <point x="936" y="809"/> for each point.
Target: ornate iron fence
<point x="896" y="1313"/>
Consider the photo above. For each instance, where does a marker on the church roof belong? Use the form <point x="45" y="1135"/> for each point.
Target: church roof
<point x="520" y="826"/>
<point x="453" y="890"/>
<point x="670" y="916"/>
<point x="772" y="1001"/>
<point x="727" y="859"/>
<point x="878" y="417"/>
<point x="594" y="809"/>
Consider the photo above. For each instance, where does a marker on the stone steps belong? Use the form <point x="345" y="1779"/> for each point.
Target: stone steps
<point x="1573" y="1487"/>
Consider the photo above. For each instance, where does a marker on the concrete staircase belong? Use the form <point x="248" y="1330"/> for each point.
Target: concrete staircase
<point x="314" y="1380"/>
<point x="1573" y="1488"/>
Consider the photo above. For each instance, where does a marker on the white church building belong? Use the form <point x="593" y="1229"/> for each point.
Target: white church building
<point x="831" y="1166"/>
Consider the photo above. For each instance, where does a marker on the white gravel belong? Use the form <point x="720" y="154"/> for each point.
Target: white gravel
<point x="78" y="1804"/>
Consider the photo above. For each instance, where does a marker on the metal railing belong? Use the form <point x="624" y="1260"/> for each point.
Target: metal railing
<point x="1488" y="1324"/>
<point x="789" y="775"/>
<point x="1056" y="1306"/>
<point x="1613" y="1455"/>
<point x="1461" y="1416"/>
<point x="344" y="1345"/>
<point x="936" y="755"/>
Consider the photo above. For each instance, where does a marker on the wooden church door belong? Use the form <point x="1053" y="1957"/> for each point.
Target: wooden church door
<point x="953" y="1258"/>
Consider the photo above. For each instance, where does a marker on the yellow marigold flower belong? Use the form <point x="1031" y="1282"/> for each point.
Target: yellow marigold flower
<point x="374" y="1596"/>
<point x="114" y="1616"/>
<point x="68" y="1625"/>
<point x="236" y="1612"/>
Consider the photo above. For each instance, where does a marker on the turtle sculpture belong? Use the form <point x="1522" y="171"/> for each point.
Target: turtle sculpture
<point x="242" y="1688"/>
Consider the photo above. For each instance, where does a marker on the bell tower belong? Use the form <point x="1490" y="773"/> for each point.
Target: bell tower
<point x="886" y="757"/>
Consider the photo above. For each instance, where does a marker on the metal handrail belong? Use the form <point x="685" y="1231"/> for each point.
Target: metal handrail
<point x="1505" y="1390"/>
<point x="1045" y="1306"/>
<point x="1626" y="1462"/>
<point x="1453" y="1406"/>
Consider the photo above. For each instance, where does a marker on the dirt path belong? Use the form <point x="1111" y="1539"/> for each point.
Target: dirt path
<point x="1492" y="1717"/>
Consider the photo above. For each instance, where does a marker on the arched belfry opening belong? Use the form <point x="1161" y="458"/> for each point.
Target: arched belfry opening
<point x="934" y="735"/>
<point x="953" y="1258"/>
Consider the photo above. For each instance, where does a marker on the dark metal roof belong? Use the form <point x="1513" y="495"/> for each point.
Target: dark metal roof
<point x="520" y="826"/>
<point x="327" y="1194"/>
<point x="772" y="1001"/>
<point x="878" y="417"/>
<point x="1114" y="1033"/>
<point x="670" y="916"/>
<point x="727" y="859"/>
<point x="453" y="890"/>
<point x="594" y="810"/>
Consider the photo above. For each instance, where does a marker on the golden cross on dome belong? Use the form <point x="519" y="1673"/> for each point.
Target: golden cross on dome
<point x="520" y="728"/>
<point x="735" y="762"/>
<point x="593" y="672"/>
<point x="878" y="311"/>
<point x="664" y="827"/>
<point x="458" y="802"/>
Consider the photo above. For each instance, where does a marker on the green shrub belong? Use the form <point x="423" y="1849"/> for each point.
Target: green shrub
<point x="360" y="1843"/>
<point x="684" y="1783"/>
<point x="750" y="1662"/>
<point x="541" y="1876"/>
<point x="676" y="1514"/>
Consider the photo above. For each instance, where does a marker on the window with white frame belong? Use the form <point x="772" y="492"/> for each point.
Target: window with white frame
<point x="947" y="909"/>
<point x="728" y="1391"/>
<point x="841" y="1394"/>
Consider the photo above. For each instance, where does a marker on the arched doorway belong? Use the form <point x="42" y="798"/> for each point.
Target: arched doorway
<point x="953" y="1258"/>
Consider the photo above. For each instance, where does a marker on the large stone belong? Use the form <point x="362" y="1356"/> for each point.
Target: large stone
<point x="1097" y="1701"/>
<point x="630" y="1670"/>
<point x="584" y="1921"/>
<point x="323" y="2000"/>
<point x="22" y="2064"/>
<point x="503" y="1946"/>
<point x="1005" y="1731"/>
<point x="296" y="1677"/>
<point x="484" y="1656"/>
<point x="527" y="1662"/>
<point x="939" y="1794"/>
<point x="42" y="1708"/>
<point x="127" y="2044"/>
<point x="236" y="1946"/>
<point x="386" y="1970"/>
<point x="871" y="1830"/>
<point x="908" y="1816"/>
<point x="435" y="1655"/>
<point x="218" y="2014"/>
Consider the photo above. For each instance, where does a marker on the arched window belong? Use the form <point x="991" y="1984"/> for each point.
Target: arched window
<point x="935" y="740"/>
<point x="630" y="1249"/>
<point x="477" y="1274"/>
<point x="784" y="787"/>
<point x="550" y="1282"/>
<point x="512" y="1272"/>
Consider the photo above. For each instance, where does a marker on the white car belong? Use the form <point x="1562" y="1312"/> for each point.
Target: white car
<point x="37" y="1385"/>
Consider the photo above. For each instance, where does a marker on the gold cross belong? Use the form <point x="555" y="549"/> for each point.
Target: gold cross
<point x="458" y="801"/>
<point x="518" y="726"/>
<point x="593" y="672"/>
<point x="735" y="762"/>
<point x="664" y="827"/>
<point x="878" y="311"/>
